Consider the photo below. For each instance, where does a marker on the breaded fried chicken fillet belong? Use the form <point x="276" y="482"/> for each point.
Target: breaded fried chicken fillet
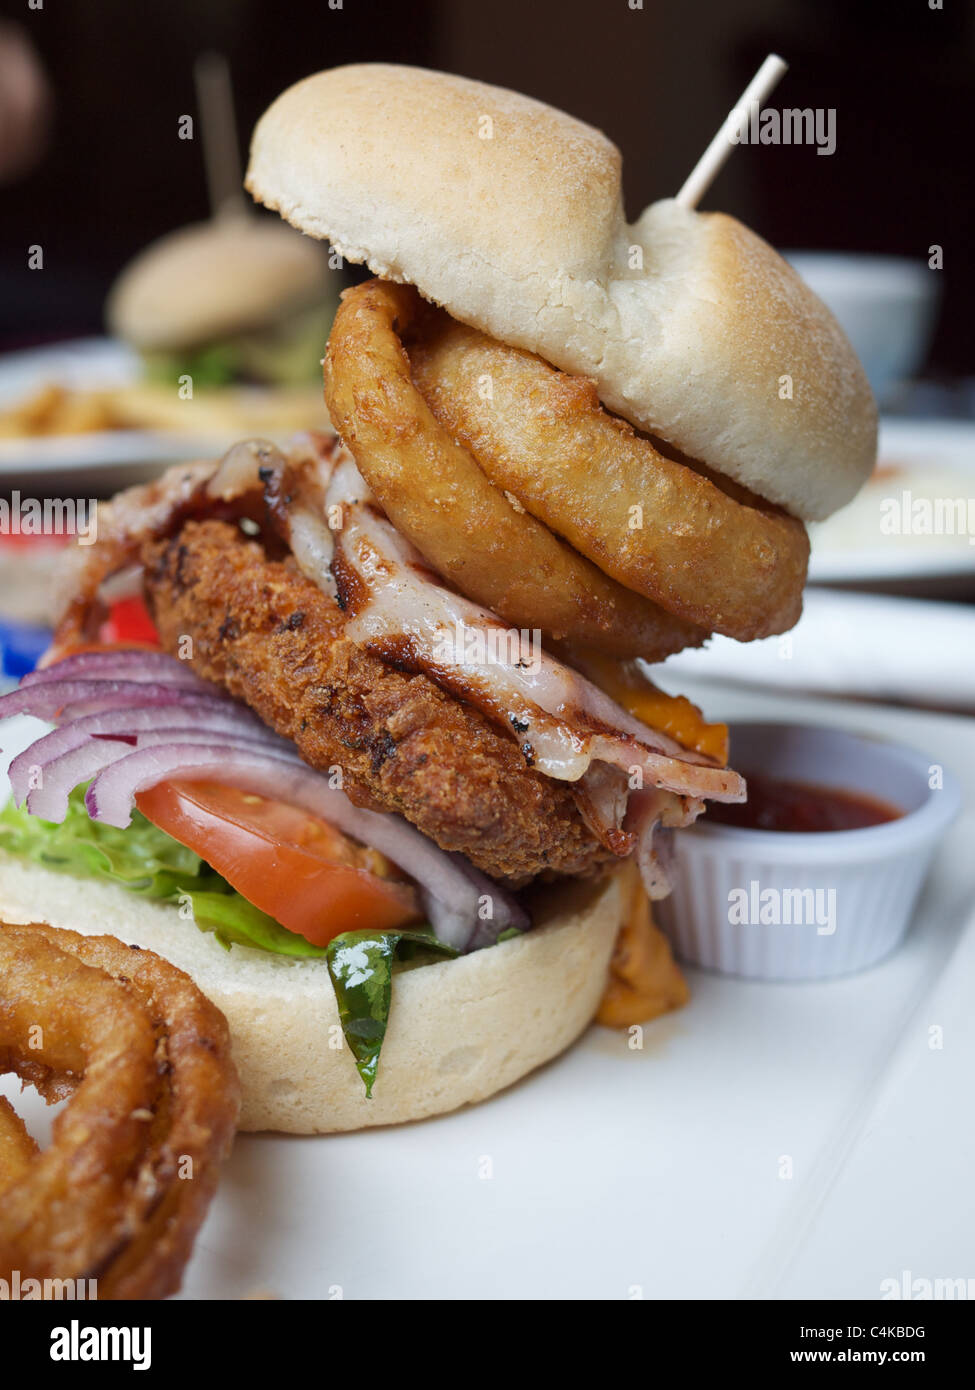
<point x="274" y="639"/>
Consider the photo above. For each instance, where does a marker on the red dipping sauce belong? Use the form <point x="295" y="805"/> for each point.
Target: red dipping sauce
<point x="801" y="807"/>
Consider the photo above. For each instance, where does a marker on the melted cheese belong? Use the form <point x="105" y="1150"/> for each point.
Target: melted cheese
<point x="644" y="979"/>
<point x="674" y="715"/>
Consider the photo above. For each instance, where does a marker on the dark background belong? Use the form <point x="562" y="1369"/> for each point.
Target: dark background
<point x="658" y="80"/>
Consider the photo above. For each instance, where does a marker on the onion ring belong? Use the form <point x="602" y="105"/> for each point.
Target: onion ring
<point x="714" y="556"/>
<point x="436" y="494"/>
<point x="122" y="1190"/>
<point x="17" y="1148"/>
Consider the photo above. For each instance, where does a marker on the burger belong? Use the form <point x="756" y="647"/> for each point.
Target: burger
<point x="236" y="300"/>
<point x="393" y="743"/>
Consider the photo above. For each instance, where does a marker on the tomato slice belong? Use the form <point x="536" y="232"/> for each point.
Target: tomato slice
<point x="300" y="870"/>
<point x="128" y="624"/>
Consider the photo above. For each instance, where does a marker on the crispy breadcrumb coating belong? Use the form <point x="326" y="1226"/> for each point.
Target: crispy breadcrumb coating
<point x="273" y="639"/>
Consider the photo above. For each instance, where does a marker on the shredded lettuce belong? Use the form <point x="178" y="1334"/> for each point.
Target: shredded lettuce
<point x="144" y="859"/>
<point x="216" y="365"/>
<point x="286" y="353"/>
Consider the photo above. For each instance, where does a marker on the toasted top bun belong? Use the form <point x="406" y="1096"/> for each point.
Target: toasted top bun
<point x="509" y="214"/>
<point x="211" y="280"/>
<point x="459" y="1030"/>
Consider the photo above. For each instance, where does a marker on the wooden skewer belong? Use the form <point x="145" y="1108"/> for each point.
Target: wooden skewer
<point x="706" y="168"/>
<point x="221" y="151"/>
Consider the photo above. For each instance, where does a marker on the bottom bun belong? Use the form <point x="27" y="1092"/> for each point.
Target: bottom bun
<point x="459" y="1030"/>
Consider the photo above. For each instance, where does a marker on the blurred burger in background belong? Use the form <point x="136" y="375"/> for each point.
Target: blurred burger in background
<point x="235" y="300"/>
<point x="219" y="327"/>
<point x="217" y="331"/>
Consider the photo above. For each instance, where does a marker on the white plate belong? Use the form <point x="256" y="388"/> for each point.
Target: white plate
<point x="62" y="453"/>
<point x="874" y="646"/>
<point x="935" y="457"/>
<point x="83" y="364"/>
<point x="657" y="1172"/>
<point x="108" y="459"/>
<point x="111" y="459"/>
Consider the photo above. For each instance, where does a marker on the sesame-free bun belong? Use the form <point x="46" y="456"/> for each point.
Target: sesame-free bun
<point x="459" y="1030"/>
<point x="510" y="215"/>
<point x="212" y="280"/>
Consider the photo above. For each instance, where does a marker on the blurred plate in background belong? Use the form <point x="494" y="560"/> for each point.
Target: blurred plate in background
<point x="886" y="305"/>
<point x="913" y="525"/>
<point x="85" y="407"/>
<point x="108" y="459"/>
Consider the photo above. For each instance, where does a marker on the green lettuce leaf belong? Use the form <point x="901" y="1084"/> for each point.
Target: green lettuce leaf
<point x="287" y="353"/>
<point x="144" y="859"/>
<point x="233" y="919"/>
<point x="218" y="364"/>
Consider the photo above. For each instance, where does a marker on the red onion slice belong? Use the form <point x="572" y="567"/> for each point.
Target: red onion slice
<point x="62" y="771"/>
<point x="45" y="701"/>
<point x="168" y="698"/>
<point x="466" y="908"/>
<point x="128" y="663"/>
<point x="173" y="712"/>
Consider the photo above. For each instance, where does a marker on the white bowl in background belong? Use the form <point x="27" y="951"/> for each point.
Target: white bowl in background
<point x="886" y="305"/>
<point x="875" y="874"/>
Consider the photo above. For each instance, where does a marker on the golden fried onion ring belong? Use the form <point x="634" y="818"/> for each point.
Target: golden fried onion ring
<point x="17" y="1148"/>
<point x="436" y="494"/>
<point x="713" y="554"/>
<point x="123" y="1188"/>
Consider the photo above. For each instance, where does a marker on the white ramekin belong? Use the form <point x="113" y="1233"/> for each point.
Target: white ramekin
<point x="874" y="874"/>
